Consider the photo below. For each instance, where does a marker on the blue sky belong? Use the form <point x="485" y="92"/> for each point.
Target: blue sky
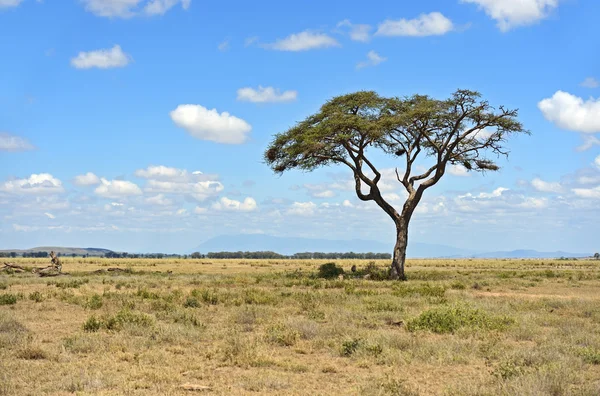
<point x="139" y="125"/>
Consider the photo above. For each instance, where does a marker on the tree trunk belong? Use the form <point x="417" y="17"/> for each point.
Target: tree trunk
<point x="397" y="269"/>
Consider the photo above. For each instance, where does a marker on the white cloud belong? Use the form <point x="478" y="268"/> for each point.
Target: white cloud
<point x="512" y="13"/>
<point x="165" y="173"/>
<point x="432" y="24"/>
<point x="200" y="210"/>
<point x="373" y="60"/>
<point x="458" y="170"/>
<point x="571" y="112"/>
<point x="588" y="142"/>
<point x="543" y="186"/>
<point x="590" y="82"/>
<point x="50" y="215"/>
<point x="392" y="197"/>
<point x="117" y="188"/>
<point x="223" y="46"/>
<point x="303" y="41"/>
<point x="43" y="183"/>
<point x="357" y="32"/>
<point x="102" y="59"/>
<point x="347" y="204"/>
<point x="159" y="200"/>
<point x="211" y="125"/>
<point x="199" y="190"/>
<point x="588" y="192"/>
<point x="230" y="205"/>
<point x="14" y="143"/>
<point x="302" y="208"/>
<point x="265" y="95"/>
<point x="89" y="179"/>
<point x="9" y="3"/>
<point x="250" y="40"/>
<point x="131" y="8"/>
<point x="324" y="194"/>
<point x="597" y="162"/>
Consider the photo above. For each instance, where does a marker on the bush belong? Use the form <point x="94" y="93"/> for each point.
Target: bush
<point x="191" y="302"/>
<point x="283" y="335"/>
<point x="349" y="346"/>
<point x="3" y="286"/>
<point x="36" y="296"/>
<point x="8" y="299"/>
<point x="93" y="324"/>
<point x="94" y="302"/>
<point x="590" y="355"/>
<point x="330" y="271"/>
<point x="448" y="319"/>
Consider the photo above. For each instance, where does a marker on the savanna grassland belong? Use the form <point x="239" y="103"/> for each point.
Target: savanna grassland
<point x="457" y="327"/>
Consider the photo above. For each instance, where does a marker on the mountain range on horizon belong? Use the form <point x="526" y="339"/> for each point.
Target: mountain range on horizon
<point x="291" y="245"/>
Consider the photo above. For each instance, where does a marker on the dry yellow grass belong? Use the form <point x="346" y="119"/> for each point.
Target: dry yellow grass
<point x="457" y="327"/>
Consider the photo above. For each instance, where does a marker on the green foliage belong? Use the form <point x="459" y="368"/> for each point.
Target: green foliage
<point x="191" y="302"/>
<point x="68" y="284"/>
<point x="3" y="286"/>
<point x="92" y="324"/>
<point x="208" y="296"/>
<point x="8" y="299"/>
<point x="330" y="271"/>
<point x="450" y="318"/>
<point x="590" y="355"/>
<point x="36" y="296"/>
<point x="94" y="302"/>
<point x="350" y="346"/>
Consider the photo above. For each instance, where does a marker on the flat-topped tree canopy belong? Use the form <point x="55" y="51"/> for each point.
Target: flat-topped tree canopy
<point x="462" y="130"/>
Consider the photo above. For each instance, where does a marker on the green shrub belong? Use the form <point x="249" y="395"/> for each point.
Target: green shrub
<point x="191" y="302"/>
<point x="127" y="317"/>
<point x="590" y="355"/>
<point x="94" y="302"/>
<point x="330" y="271"/>
<point x="93" y="324"/>
<point x="70" y="284"/>
<point x="448" y="319"/>
<point x="8" y="299"/>
<point x="458" y="286"/>
<point x="350" y="346"/>
<point x="282" y="334"/>
<point x="3" y="286"/>
<point x="36" y="296"/>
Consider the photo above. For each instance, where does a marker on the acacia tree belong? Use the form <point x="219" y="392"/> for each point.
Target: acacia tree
<point x="462" y="130"/>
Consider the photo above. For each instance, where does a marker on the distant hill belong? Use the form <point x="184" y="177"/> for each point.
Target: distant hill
<point x="64" y="251"/>
<point x="291" y="245"/>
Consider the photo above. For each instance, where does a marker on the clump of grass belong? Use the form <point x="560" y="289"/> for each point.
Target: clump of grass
<point x="118" y="321"/>
<point x="282" y="334"/>
<point x="145" y="294"/>
<point x="36" y="296"/>
<point x="191" y="302"/>
<point x="350" y="346"/>
<point x="590" y="355"/>
<point x="3" y="286"/>
<point x="94" y="302"/>
<point x="208" y="296"/>
<point x="68" y="284"/>
<point x="330" y="271"/>
<point x="424" y="290"/>
<point x="457" y="285"/>
<point x="450" y="318"/>
<point x="8" y="299"/>
<point x="31" y="352"/>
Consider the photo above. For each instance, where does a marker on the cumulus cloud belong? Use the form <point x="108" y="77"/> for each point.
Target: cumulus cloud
<point x="89" y="179"/>
<point x="357" y="32"/>
<point x="597" y="162"/>
<point x="211" y="125"/>
<point x="593" y="193"/>
<point x="9" y="3"/>
<point x="43" y="183"/>
<point x="101" y="59"/>
<point x="302" y="209"/>
<point x="432" y="24"/>
<point x="131" y="8"/>
<point x="231" y="205"/>
<point x="303" y="41"/>
<point x="165" y="173"/>
<point x="373" y="59"/>
<point x="512" y="13"/>
<point x="570" y="112"/>
<point x="543" y="186"/>
<point x="590" y="82"/>
<point x="265" y="95"/>
<point x="199" y="190"/>
<point x="117" y="188"/>
<point x="14" y="143"/>
<point x="458" y="170"/>
<point x="159" y="200"/>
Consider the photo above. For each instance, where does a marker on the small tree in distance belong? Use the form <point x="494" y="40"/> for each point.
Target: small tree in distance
<point x="460" y="130"/>
<point x="597" y="256"/>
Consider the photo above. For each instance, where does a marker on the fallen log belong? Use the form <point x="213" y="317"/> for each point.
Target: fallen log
<point x="13" y="267"/>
